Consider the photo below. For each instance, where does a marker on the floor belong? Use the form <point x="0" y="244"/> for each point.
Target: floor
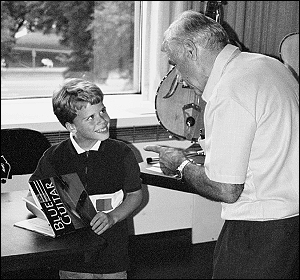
<point x="170" y="255"/>
<point x="167" y="255"/>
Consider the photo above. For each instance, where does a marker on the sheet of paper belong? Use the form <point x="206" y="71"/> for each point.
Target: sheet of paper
<point x="155" y="167"/>
<point x="37" y="225"/>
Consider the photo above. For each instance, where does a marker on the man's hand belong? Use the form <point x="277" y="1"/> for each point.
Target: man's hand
<point x="169" y="158"/>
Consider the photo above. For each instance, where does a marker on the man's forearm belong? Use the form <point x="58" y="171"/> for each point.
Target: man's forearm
<point x="194" y="175"/>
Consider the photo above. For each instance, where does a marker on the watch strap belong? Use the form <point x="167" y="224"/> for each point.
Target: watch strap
<point x="181" y="167"/>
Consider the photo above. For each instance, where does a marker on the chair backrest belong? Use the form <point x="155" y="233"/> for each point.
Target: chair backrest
<point x="289" y="52"/>
<point x="21" y="149"/>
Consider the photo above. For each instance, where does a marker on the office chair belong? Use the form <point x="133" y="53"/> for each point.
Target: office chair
<point x="21" y="149"/>
<point x="289" y="53"/>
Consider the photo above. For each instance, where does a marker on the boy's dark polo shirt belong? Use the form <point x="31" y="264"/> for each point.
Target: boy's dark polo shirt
<point x="111" y="168"/>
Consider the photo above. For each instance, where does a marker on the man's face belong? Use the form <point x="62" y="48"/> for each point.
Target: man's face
<point x="190" y="71"/>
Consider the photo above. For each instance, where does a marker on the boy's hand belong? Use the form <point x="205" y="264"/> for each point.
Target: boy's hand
<point x="101" y="222"/>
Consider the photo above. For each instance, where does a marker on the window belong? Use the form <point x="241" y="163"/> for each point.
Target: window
<point x="45" y="42"/>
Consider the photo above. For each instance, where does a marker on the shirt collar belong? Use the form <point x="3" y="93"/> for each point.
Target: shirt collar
<point x="79" y="150"/>
<point x="223" y="58"/>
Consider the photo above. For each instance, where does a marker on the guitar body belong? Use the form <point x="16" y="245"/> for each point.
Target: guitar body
<point x="178" y="109"/>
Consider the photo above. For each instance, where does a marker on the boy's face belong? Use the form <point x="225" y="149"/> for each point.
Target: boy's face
<point x="91" y="124"/>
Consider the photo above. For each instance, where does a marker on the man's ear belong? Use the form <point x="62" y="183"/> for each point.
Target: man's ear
<point x="71" y="127"/>
<point x="190" y="49"/>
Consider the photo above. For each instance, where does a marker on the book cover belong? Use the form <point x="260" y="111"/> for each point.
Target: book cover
<point x="60" y="203"/>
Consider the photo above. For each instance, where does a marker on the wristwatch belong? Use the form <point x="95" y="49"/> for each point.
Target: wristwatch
<point x="181" y="167"/>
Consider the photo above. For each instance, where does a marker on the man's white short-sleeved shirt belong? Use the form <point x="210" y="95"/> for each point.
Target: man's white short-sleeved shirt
<point x="252" y="134"/>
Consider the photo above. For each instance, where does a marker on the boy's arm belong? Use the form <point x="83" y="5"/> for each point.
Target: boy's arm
<point x="103" y="221"/>
<point x="130" y="203"/>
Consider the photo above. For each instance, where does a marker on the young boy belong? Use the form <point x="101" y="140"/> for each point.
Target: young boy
<point x="105" y="166"/>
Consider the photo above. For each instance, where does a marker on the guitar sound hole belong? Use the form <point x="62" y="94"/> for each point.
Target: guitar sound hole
<point x="190" y="121"/>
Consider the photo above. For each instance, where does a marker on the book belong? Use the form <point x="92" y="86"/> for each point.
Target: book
<point x="61" y="206"/>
